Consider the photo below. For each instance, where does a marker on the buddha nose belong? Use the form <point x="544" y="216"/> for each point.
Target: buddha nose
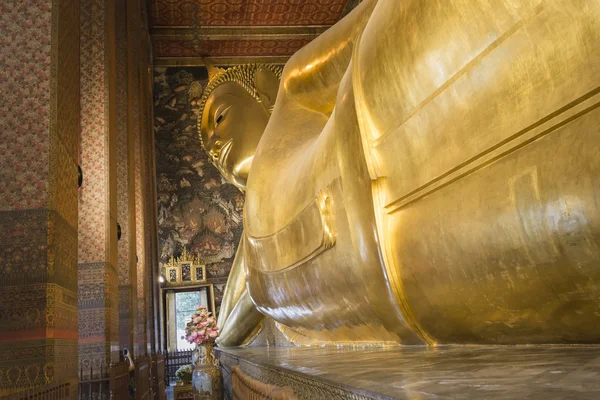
<point x="215" y="149"/>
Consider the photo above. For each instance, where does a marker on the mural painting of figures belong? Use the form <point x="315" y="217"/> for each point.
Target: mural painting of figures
<point x="197" y="209"/>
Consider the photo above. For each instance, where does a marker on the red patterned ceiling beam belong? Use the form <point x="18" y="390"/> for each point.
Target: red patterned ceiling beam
<point x="239" y="32"/>
<point x="248" y="12"/>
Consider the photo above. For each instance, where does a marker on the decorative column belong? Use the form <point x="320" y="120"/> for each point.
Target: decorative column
<point x="141" y="231"/>
<point x="39" y="118"/>
<point x="125" y="187"/>
<point x="98" y="261"/>
<point x="134" y="117"/>
<point x="149" y="187"/>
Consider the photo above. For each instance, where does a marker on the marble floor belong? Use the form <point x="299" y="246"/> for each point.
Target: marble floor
<point x="454" y="372"/>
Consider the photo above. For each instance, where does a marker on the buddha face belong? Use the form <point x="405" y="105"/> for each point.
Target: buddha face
<point x="233" y="122"/>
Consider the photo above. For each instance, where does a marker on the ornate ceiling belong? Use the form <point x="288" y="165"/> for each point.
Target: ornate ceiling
<point x="238" y="31"/>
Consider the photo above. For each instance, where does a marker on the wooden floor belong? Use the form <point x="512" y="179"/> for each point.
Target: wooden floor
<point x="474" y="372"/>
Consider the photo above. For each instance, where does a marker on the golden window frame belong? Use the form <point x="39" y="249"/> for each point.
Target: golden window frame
<point x="175" y="272"/>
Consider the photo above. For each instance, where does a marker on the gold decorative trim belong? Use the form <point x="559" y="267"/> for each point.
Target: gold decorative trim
<point x="244" y="386"/>
<point x="174" y="270"/>
<point x="306" y="387"/>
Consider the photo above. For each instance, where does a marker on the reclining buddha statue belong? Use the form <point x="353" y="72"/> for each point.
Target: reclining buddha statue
<point x="424" y="172"/>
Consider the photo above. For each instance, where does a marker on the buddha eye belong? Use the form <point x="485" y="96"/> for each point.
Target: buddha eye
<point x="220" y="114"/>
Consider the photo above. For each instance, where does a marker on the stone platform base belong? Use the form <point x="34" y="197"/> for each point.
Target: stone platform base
<point x="454" y="372"/>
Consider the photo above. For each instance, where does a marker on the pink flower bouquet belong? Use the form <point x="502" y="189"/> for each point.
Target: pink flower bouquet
<point x="202" y="328"/>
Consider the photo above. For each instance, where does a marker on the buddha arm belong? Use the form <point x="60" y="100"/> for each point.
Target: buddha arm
<point x="313" y="75"/>
<point x="242" y="325"/>
<point x="236" y="285"/>
<point x="311" y="78"/>
<point x="238" y="319"/>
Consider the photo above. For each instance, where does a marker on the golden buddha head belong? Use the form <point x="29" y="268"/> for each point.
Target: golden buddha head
<point x="233" y="113"/>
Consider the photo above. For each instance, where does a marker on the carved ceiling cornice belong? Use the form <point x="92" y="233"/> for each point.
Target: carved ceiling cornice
<point x="245" y="38"/>
<point x="236" y="32"/>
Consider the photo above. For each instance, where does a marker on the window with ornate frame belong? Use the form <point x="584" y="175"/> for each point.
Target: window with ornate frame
<point x="184" y="270"/>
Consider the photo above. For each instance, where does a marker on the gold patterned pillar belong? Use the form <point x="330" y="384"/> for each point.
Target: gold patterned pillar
<point x="39" y="117"/>
<point x="98" y="261"/>
<point x="149" y="187"/>
<point x="142" y="265"/>
<point x="156" y="337"/>
<point x="134" y="34"/>
<point x="125" y="185"/>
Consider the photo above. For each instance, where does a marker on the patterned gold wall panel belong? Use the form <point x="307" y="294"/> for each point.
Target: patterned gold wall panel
<point x="94" y="132"/>
<point x="140" y="210"/>
<point x="25" y="71"/>
<point x="63" y="158"/>
<point x="98" y="315"/>
<point x="62" y="295"/>
<point x="63" y="181"/>
<point x="136" y="128"/>
<point x="133" y="32"/>
<point x="147" y="205"/>
<point x="97" y="256"/>
<point x="150" y="200"/>
<point x="124" y="188"/>
<point x="123" y="178"/>
<point x="24" y="247"/>
<point x="62" y="252"/>
<point x="64" y="122"/>
<point x="38" y="247"/>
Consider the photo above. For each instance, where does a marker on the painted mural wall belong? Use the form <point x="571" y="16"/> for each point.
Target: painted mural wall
<point x="197" y="208"/>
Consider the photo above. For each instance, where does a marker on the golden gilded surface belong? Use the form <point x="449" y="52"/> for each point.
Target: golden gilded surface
<point x="429" y="174"/>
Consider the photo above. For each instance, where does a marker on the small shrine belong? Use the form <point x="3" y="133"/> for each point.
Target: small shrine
<point x="186" y="269"/>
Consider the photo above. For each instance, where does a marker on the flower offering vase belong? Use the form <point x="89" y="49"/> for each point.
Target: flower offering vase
<point x="206" y="379"/>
